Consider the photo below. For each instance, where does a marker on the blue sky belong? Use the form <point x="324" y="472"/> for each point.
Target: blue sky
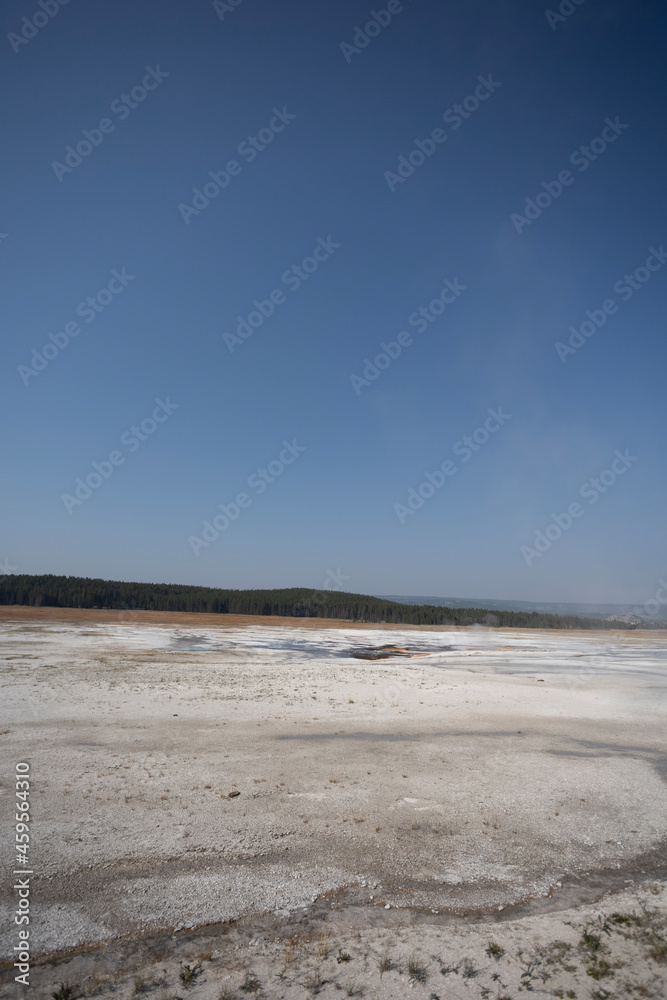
<point x="219" y="77"/>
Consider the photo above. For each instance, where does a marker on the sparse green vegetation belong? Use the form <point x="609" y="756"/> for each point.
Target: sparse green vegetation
<point x="591" y="942"/>
<point x="599" y="969"/>
<point x="494" y="950"/>
<point x="649" y="928"/>
<point x="592" y="957"/>
<point x="658" y="952"/>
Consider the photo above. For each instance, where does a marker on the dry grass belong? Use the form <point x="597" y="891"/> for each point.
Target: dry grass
<point x="418" y="973"/>
<point x="322" y="945"/>
<point x="250" y="984"/>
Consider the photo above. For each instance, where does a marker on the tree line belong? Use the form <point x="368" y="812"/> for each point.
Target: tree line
<point x="294" y="602"/>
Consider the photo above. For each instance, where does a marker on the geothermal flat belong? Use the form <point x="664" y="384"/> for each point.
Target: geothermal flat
<point x="205" y="786"/>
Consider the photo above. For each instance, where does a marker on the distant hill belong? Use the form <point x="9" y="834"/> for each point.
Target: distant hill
<point x="82" y="592"/>
<point x="618" y="611"/>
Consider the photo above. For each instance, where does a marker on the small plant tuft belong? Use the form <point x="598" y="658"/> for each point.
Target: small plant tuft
<point x="591" y="942"/>
<point x="250" y="984"/>
<point x="494" y="950"/>
<point x="417" y="972"/>
<point x="189" y="973"/>
<point x="599" y="969"/>
<point x="93" y="985"/>
<point x="343" y="956"/>
<point x="658" y="952"/>
<point x="314" y="982"/>
<point x="469" y="971"/>
<point x="66" y="991"/>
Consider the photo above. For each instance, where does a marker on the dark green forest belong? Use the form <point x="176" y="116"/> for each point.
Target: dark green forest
<point x="297" y="602"/>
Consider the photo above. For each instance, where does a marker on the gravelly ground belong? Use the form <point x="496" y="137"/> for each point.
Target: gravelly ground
<point x="511" y="776"/>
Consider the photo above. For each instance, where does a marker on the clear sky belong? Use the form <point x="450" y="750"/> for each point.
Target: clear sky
<point x="304" y="120"/>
